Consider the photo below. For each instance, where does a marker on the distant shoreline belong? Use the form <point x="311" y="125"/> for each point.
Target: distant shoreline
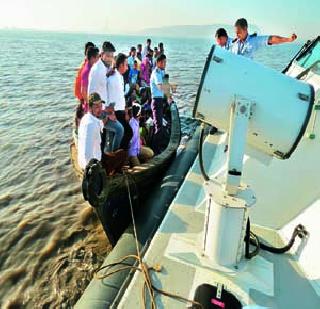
<point x="202" y="32"/>
<point x="175" y="31"/>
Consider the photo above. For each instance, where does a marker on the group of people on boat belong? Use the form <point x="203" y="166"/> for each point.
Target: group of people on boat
<point x="122" y="102"/>
<point x="246" y="44"/>
<point x="126" y="97"/>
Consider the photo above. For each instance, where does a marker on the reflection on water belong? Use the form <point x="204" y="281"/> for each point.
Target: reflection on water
<point x="51" y="241"/>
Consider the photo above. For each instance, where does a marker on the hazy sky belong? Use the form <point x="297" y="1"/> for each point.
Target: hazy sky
<point x="122" y="16"/>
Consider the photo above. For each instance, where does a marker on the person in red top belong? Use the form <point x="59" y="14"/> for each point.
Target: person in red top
<point x="77" y="82"/>
<point x="91" y="58"/>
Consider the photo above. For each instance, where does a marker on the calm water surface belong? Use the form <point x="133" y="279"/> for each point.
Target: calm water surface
<point x="50" y="240"/>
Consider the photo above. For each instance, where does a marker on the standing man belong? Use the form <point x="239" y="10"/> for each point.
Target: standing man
<point x="139" y="52"/>
<point x="134" y="76"/>
<point x="246" y="45"/>
<point x="132" y="57"/>
<point x="98" y="73"/>
<point x="160" y="48"/>
<point x="115" y="86"/>
<point x="110" y="50"/>
<point x="157" y="94"/>
<point x="222" y="39"/>
<point x="146" y="48"/>
<point x="89" y="133"/>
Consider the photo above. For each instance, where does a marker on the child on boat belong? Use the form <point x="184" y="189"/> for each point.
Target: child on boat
<point x="137" y="154"/>
<point x="134" y="75"/>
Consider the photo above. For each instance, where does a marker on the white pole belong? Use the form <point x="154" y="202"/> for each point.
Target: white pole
<point x="227" y="204"/>
<point x="239" y="119"/>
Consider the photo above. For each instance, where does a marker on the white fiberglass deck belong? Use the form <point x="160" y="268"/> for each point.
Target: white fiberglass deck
<point x="268" y="280"/>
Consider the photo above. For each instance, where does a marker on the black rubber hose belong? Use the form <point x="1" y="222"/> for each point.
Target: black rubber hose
<point x="203" y="172"/>
<point x="298" y="231"/>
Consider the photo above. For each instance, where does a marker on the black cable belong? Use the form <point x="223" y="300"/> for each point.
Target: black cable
<point x="248" y="238"/>
<point x="299" y="231"/>
<point x="203" y="172"/>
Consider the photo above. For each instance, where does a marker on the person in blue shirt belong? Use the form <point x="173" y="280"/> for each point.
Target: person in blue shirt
<point x="223" y="39"/>
<point x="246" y="45"/>
<point x="132" y="57"/>
<point x="157" y="94"/>
<point x="134" y="75"/>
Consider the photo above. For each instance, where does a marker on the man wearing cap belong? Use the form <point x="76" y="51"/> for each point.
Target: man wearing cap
<point x="246" y="45"/>
<point x="98" y="73"/>
<point x="89" y="133"/>
<point x="223" y="39"/>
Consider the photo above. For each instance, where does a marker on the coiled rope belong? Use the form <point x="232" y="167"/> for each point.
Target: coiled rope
<point x="148" y="287"/>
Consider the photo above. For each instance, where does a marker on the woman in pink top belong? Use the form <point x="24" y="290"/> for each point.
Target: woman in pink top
<point x="145" y="71"/>
<point x="92" y="58"/>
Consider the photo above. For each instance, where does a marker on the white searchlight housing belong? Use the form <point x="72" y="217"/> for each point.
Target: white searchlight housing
<point x="281" y="105"/>
<point x="256" y="105"/>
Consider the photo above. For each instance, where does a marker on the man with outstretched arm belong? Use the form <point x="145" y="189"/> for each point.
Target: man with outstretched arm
<point x="246" y="45"/>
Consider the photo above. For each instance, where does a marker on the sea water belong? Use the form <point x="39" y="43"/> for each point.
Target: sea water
<point x="50" y="240"/>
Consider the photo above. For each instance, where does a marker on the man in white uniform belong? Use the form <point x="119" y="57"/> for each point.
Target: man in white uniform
<point x="89" y="133"/>
<point x="246" y="45"/>
<point x="222" y="39"/>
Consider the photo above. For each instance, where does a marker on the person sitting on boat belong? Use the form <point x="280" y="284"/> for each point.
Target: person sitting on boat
<point x="116" y="95"/>
<point x="97" y="76"/>
<point x="92" y="58"/>
<point x="89" y="132"/>
<point x="157" y="93"/>
<point x="114" y="130"/>
<point x="223" y="39"/>
<point x="137" y="153"/>
<point x="77" y="82"/>
<point x="246" y="45"/>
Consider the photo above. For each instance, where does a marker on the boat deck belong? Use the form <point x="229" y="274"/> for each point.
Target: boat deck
<point x="267" y="280"/>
